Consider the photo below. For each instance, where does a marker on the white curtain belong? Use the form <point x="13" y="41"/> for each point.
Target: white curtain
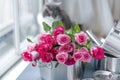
<point x="5" y="11"/>
<point x="99" y="15"/>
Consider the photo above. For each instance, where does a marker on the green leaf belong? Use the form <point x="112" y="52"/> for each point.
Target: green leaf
<point x="46" y="27"/>
<point x="29" y="40"/>
<point x="57" y="23"/>
<point x="89" y="43"/>
<point x="56" y="65"/>
<point x="72" y="37"/>
<point x="69" y="31"/>
<point x="76" y="28"/>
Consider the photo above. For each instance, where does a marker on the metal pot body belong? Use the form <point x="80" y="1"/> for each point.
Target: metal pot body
<point x="61" y="72"/>
<point x="110" y="63"/>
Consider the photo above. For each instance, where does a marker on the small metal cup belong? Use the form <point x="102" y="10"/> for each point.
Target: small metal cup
<point x="103" y="75"/>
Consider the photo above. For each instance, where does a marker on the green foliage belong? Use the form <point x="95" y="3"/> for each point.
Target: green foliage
<point x="56" y="65"/>
<point x="76" y="29"/>
<point x="57" y="23"/>
<point x="29" y="40"/>
<point x="89" y="43"/>
<point x="46" y="27"/>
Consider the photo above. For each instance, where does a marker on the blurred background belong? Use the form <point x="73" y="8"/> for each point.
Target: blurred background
<point x="20" y="19"/>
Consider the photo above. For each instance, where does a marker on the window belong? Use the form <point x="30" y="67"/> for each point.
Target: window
<point x="12" y="33"/>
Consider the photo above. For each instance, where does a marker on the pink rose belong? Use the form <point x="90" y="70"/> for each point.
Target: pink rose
<point x="78" y="56"/>
<point x="83" y="49"/>
<point x="86" y="57"/>
<point x="85" y="53"/>
<point x="58" y="30"/>
<point x="46" y="57"/>
<point x="62" y="57"/>
<point x="81" y="38"/>
<point x="66" y="48"/>
<point x="31" y="47"/>
<point x="63" y="39"/>
<point x="26" y="56"/>
<point x="97" y="52"/>
<point x="70" y="61"/>
<point x="44" y="47"/>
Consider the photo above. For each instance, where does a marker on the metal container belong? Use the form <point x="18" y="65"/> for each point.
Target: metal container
<point x="49" y="72"/>
<point x="103" y="75"/>
<point x="110" y="64"/>
<point x="75" y="72"/>
<point x="88" y="79"/>
<point x="112" y="42"/>
<point x="61" y="72"/>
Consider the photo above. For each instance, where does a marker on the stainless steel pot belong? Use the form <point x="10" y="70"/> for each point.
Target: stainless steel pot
<point x="110" y="63"/>
<point x="61" y="72"/>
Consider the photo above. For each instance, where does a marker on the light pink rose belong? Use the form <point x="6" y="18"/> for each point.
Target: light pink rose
<point x="78" y="56"/>
<point x="67" y="48"/>
<point x="35" y="55"/>
<point x="46" y="57"/>
<point x="81" y="38"/>
<point x="85" y="53"/>
<point x="86" y="57"/>
<point x="58" y="30"/>
<point x="97" y="52"/>
<point x="62" y="57"/>
<point x="63" y="39"/>
<point x="31" y="47"/>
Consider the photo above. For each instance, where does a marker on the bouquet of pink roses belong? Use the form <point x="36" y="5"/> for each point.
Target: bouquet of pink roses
<point x="61" y="45"/>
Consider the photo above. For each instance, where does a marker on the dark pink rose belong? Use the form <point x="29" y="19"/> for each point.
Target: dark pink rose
<point x="70" y="61"/>
<point x="58" y="30"/>
<point x="62" y="57"/>
<point x="44" y="47"/>
<point x="97" y="52"/>
<point x="63" y="39"/>
<point x="47" y="38"/>
<point x="41" y="38"/>
<point x="46" y="57"/>
<point x="66" y="48"/>
<point x="54" y="52"/>
<point x="26" y="56"/>
<point x="78" y="56"/>
<point x="34" y="63"/>
<point x="81" y="38"/>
